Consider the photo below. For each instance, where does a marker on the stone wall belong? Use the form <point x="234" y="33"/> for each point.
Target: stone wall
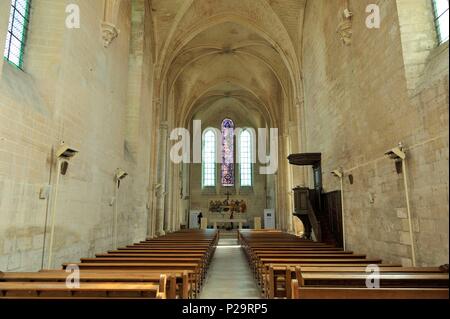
<point x="72" y="89"/>
<point x="358" y="105"/>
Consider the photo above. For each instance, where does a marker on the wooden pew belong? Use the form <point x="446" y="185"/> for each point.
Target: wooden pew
<point x="260" y="259"/>
<point x="382" y="268"/>
<point x="262" y="268"/>
<point x="162" y="260"/>
<point x="415" y="276"/>
<point x="333" y="272"/>
<point x="87" y="290"/>
<point x="193" y="269"/>
<point x="264" y="249"/>
<point x="177" y="282"/>
<point x="144" y="254"/>
<point x="279" y="275"/>
<point x="164" y="250"/>
<point x="130" y="272"/>
<point x="366" y="293"/>
<point x="153" y="260"/>
<point x="390" y="280"/>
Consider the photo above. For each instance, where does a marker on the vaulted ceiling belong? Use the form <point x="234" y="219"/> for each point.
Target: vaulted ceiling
<point x="247" y="51"/>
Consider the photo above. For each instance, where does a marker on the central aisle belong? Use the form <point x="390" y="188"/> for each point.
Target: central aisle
<point x="229" y="276"/>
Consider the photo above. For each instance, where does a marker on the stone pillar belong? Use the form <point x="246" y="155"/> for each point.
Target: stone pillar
<point x="288" y="181"/>
<point x="150" y="217"/>
<point x="284" y="210"/>
<point x="173" y="193"/>
<point x="301" y="136"/>
<point x="280" y="187"/>
<point x="160" y="188"/>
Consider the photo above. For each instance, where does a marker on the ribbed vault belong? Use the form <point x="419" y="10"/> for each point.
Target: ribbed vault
<point x="240" y="54"/>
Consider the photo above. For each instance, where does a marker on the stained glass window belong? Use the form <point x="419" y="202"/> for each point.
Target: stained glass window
<point x="209" y="158"/>
<point x="227" y="169"/>
<point x="441" y="18"/>
<point x="245" y="158"/>
<point x="17" y="32"/>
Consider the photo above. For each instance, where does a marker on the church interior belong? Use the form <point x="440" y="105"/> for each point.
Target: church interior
<point x="224" y="149"/>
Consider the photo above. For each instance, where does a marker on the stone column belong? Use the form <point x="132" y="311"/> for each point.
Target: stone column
<point x="110" y="21"/>
<point x="281" y="187"/>
<point x="151" y="221"/>
<point x="301" y="148"/>
<point x="160" y="188"/>
<point x="172" y="194"/>
<point x="289" y="186"/>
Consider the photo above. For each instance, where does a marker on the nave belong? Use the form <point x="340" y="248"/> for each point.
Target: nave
<point x="254" y="264"/>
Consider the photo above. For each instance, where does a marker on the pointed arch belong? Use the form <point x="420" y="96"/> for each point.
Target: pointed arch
<point x="246" y="155"/>
<point x="209" y="150"/>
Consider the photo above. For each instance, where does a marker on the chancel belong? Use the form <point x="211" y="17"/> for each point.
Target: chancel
<point x="271" y="148"/>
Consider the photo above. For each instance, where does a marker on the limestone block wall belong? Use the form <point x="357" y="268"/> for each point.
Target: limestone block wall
<point x="71" y="89"/>
<point x="358" y="105"/>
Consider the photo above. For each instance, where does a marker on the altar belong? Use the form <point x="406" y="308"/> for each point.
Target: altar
<point x="225" y="221"/>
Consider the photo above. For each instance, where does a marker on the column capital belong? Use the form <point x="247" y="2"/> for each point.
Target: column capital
<point x="109" y="33"/>
<point x="111" y="13"/>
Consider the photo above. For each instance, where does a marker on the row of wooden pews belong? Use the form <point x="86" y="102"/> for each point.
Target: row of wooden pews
<point x="167" y="267"/>
<point x="286" y="266"/>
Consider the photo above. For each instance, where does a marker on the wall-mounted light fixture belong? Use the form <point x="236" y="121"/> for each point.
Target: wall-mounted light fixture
<point x="398" y="154"/>
<point x="339" y="173"/>
<point x="63" y="155"/>
<point x="119" y="175"/>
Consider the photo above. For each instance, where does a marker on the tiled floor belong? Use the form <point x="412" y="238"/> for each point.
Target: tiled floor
<point x="229" y="276"/>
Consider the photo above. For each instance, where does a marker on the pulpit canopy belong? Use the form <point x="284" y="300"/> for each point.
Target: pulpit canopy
<point x="303" y="159"/>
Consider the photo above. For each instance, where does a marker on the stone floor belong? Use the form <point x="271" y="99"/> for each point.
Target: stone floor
<point x="229" y="276"/>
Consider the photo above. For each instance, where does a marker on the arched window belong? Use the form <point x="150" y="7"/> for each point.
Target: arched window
<point x="245" y="158"/>
<point x="441" y="18"/>
<point x="17" y="32"/>
<point x="209" y="158"/>
<point x="227" y="169"/>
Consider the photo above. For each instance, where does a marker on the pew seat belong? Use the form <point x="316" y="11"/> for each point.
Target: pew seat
<point x="366" y="293"/>
<point x="178" y="285"/>
<point x="87" y="290"/>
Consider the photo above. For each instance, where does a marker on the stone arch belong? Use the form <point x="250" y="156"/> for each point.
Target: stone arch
<point x="190" y="106"/>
